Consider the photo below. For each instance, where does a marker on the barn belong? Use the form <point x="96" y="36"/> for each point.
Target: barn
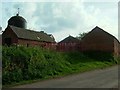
<point x="70" y="43"/>
<point x="17" y="33"/>
<point x="99" y="40"/>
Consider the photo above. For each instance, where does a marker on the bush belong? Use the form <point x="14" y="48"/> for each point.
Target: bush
<point x="25" y="63"/>
<point x="29" y="63"/>
<point x="99" y="55"/>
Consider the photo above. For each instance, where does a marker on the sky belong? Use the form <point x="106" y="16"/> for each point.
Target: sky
<point x="63" y="18"/>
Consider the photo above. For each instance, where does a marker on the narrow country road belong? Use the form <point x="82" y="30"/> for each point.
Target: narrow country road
<point x="102" y="78"/>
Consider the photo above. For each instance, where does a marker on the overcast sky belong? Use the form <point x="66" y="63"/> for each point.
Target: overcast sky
<point x="64" y="18"/>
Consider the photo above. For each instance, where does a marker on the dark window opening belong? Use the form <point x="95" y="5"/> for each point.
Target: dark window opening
<point x="27" y="45"/>
<point x="8" y="41"/>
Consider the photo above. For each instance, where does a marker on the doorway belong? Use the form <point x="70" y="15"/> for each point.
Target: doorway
<point x="8" y="41"/>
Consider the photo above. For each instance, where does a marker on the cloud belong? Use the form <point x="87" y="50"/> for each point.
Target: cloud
<point x="40" y="0"/>
<point x="65" y="18"/>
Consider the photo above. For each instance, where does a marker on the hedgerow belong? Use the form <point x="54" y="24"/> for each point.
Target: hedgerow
<point x="29" y="63"/>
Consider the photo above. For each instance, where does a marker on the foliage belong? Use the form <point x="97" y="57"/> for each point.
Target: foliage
<point x="25" y="63"/>
<point x="99" y="55"/>
<point x="81" y="35"/>
<point x="29" y="63"/>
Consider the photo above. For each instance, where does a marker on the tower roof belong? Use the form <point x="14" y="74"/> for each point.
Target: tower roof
<point x="17" y="21"/>
<point x="17" y="17"/>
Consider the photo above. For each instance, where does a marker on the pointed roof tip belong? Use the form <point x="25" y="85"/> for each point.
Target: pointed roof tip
<point x="69" y="39"/>
<point x="98" y="28"/>
<point x="70" y="36"/>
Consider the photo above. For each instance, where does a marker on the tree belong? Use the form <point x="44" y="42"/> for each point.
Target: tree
<point x="81" y="35"/>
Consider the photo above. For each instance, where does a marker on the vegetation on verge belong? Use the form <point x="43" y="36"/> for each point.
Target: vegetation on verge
<point x="31" y="63"/>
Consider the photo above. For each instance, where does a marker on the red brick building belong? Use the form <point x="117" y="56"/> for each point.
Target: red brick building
<point x="69" y="44"/>
<point x="100" y="40"/>
<point x="17" y="34"/>
<point x="96" y="40"/>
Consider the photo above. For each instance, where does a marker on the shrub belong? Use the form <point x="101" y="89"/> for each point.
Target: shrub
<point x="25" y="63"/>
<point x="99" y="55"/>
<point x="28" y="63"/>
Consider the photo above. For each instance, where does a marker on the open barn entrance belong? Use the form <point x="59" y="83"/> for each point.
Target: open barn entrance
<point x="8" y="41"/>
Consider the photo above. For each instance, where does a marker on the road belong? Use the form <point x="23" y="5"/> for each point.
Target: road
<point x="102" y="78"/>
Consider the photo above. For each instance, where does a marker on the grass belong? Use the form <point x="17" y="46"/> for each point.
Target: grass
<point x="23" y="65"/>
<point x="75" y="71"/>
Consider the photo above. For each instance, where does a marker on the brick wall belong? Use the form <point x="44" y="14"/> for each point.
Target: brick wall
<point x="48" y="45"/>
<point x="26" y="42"/>
<point x="66" y="47"/>
<point x="8" y="33"/>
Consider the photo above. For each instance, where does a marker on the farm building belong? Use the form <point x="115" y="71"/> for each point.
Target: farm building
<point x="100" y="40"/>
<point x="17" y="34"/>
<point x="70" y="43"/>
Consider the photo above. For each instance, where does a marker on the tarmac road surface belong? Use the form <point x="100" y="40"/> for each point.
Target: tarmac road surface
<point x="102" y="78"/>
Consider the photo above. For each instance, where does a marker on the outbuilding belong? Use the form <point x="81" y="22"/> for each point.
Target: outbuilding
<point x="68" y="44"/>
<point x="100" y="40"/>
